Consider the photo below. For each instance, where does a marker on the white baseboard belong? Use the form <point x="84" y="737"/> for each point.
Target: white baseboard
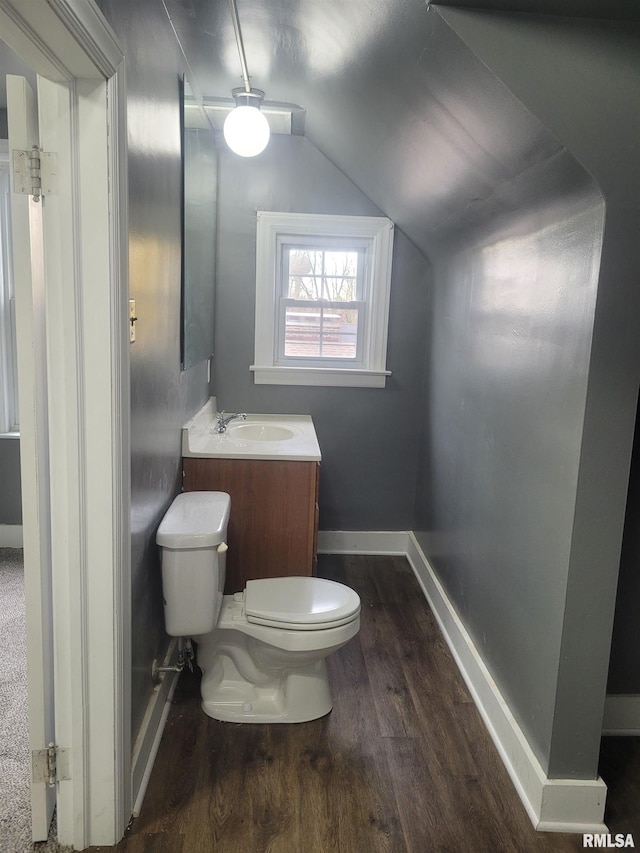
<point x="10" y="536"/>
<point x="148" y="740"/>
<point x="621" y="715"/>
<point x="553" y="805"/>
<point x="393" y="542"/>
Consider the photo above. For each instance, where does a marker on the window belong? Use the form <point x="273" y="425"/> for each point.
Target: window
<point x="8" y="362"/>
<point x="322" y="299"/>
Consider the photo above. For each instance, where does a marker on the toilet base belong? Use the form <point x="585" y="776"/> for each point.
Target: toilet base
<point x="297" y="697"/>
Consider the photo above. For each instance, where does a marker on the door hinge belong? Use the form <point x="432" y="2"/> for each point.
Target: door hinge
<point x="50" y="765"/>
<point x="35" y="172"/>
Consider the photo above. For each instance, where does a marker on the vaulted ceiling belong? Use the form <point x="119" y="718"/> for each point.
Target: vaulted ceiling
<point x="620" y="10"/>
<point x="392" y="96"/>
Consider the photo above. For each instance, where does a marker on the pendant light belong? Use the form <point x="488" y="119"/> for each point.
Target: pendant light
<point x="246" y="130"/>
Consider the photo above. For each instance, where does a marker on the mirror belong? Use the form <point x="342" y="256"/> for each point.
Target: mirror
<point x="199" y="211"/>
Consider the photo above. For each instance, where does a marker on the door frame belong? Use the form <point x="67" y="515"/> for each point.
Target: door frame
<point x="71" y="43"/>
<point x="29" y="285"/>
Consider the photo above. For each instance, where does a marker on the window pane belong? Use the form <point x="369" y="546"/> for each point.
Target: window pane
<point x="320" y="333"/>
<point x="340" y="288"/>
<point x="304" y="287"/>
<point x="322" y="274"/>
<point x="305" y="274"/>
<point x="340" y="276"/>
<point x="302" y="332"/>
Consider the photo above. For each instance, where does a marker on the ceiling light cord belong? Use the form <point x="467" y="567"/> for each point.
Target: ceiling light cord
<point x="240" y="43"/>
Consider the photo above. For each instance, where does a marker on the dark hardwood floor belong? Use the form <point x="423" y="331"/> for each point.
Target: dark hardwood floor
<point x="403" y="763"/>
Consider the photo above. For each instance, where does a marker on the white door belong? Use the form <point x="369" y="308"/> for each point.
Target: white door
<point x="28" y="263"/>
<point x="75" y="470"/>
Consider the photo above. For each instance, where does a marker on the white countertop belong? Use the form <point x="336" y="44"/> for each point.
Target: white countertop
<point x="199" y="439"/>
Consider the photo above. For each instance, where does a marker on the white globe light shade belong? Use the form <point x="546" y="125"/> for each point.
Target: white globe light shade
<point x="246" y="131"/>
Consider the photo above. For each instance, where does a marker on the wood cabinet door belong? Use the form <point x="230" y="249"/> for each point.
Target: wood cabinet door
<point x="272" y="525"/>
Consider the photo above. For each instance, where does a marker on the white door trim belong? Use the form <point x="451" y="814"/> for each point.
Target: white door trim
<point x="70" y="42"/>
<point x="29" y="281"/>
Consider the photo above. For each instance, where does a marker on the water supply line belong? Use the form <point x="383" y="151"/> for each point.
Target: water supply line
<point x="185" y="658"/>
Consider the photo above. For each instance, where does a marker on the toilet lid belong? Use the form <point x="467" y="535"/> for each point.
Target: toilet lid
<point x="300" y="603"/>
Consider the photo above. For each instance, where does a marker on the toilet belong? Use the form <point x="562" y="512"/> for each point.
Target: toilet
<point x="262" y="650"/>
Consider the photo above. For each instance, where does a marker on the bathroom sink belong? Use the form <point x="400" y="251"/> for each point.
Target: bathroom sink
<point x="259" y="432"/>
<point x="269" y="437"/>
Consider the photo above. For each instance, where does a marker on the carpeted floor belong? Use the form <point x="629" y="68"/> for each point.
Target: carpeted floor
<point x="15" y="808"/>
<point x="15" y="797"/>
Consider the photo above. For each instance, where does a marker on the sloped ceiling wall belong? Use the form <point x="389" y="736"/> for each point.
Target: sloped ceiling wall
<point x="615" y="10"/>
<point x="411" y="120"/>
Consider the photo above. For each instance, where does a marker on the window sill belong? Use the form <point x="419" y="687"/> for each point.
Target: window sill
<point x="342" y="377"/>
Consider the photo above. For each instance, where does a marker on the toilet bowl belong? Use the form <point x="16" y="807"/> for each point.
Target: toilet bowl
<point x="261" y="651"/>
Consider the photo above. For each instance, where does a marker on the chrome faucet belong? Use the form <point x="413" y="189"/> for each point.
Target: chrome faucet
<point x="222" y="422"/>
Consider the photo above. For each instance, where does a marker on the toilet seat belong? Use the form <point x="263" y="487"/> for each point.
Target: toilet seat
<point x="299" y="603"/>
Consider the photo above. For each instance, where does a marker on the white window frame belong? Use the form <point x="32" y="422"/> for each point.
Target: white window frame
<point x="283" y="301"/>
<point x="375" y="235"/>
<point x="9" y="418"/>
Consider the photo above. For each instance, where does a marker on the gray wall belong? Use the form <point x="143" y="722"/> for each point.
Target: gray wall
<point x="11" y="496"/>
<point x="368" y="437"/>
<point x="11" y="492"/>
<point x="505" y="406"/>
<point x="624" y="665"/>
<point x="162" y="397"/>
<point x="583" y="82"/>
<point x="470" y="168"/>
<point x="533" y="376"/>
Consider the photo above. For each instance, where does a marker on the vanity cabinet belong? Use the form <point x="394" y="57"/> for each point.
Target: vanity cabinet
<point x="273" y="526"/>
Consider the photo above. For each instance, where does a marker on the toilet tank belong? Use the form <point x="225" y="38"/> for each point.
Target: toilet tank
<point x="192" y="536"/>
